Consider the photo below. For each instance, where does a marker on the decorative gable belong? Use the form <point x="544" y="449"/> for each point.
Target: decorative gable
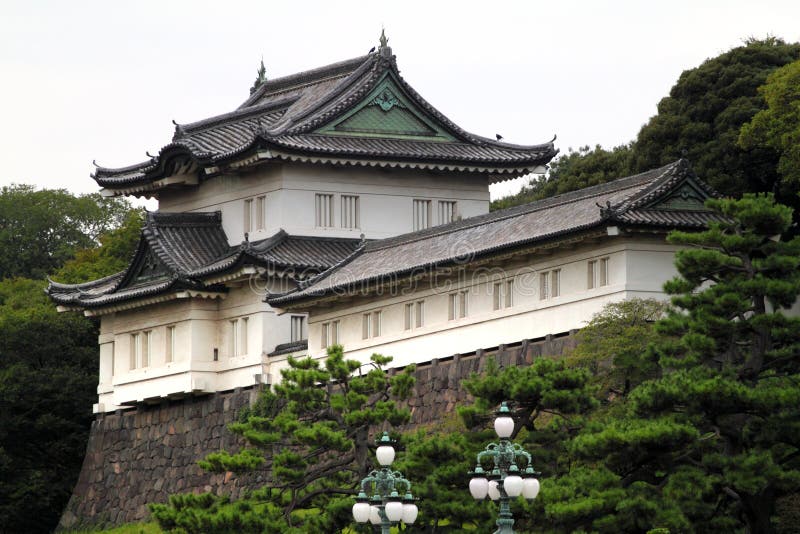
<point x="149" y="268"/>
<point x="387" y="112"/>
<point x="687" y="196"/>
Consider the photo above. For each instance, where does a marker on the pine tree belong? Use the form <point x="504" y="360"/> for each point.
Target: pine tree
<point x="311" y="436"/>
<point x="713" y="441"/>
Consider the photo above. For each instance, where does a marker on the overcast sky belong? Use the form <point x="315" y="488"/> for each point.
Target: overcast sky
<point x="84" y="80"/>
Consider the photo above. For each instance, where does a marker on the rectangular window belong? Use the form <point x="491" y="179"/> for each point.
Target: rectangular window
<point x="497" y="296"/>
<point x="145" y="349"/>
<point x="458" y="305"/>
<point x="334" y="332"/>
<point x="325" y="336"/>
<point x="248" y="215"/>
<point x="377" y="319"/>
<point x="298" y="327"/>
<point x="603" y="272"/>
<point x="243" y="336"/>
<point x="350" y="212"/>
<point x="261" y="203"/>
<point x="371" y="325"/>
<point x="409" y="316"/>
<point x="447" y="211"/>
<point x="509" y="293"/>
<point x="366" y="326"/>
<point x="324" y="210"/>
<point x="420" y="315"/>
<point x="544" y="286"/>
<point x="330" y="334"/>
<point x="422" y="214"/>
<point x="234" y="342"/>
<point x="591" y="275"/>
<point x="555" y="282"/>
<point x="463" y="300"/>
<point x="135" y="351"/>
<point x="169" y="352"/>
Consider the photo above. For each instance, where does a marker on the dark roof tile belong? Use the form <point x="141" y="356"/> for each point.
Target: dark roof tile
<point x="284" y="113"/>
<point x="462" y="241"/>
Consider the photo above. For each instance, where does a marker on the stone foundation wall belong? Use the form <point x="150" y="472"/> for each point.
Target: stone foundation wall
<point x="143" y="455"/>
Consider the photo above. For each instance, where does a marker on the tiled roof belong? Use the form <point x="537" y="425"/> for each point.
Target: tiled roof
<point x="620" y="201"/>
<point x="284" y="114"/>
<point x="192" y="246"/>
<point x="186" y="241"/>
<point x="288" y="348"/>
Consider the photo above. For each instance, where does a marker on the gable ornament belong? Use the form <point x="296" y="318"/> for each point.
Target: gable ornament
<point x="386" y="100"/>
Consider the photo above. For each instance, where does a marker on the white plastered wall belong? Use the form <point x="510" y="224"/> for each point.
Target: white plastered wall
<point x="385" y="198"/>
<point x="637" y="268"/>
<point x="201" y="325"/>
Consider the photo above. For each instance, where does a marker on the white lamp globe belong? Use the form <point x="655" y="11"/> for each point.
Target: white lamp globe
<point x="513" y="485"/>
<point x="494" y="491"/>
<point x="479" y="487"/>
<point x="530" y="488"/>
<point x="504" y="426"/>
<point x="374" y="515"/>
<point x="394" y="510"/>
<point x="361" y="512"/>
<point x="410" y="512"/>
<point x="385" y="455"/>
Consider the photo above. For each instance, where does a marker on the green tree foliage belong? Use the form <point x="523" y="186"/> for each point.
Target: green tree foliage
<point x="116" y="249"/>
<point x="311" y="434"/>
<point x="41" y="229"/>
<point x="48" y="360"/>
<point x="712" y="441"/>
<point x="571" y="171"/>
<point x="48" y="376"/>
<point x="436" y="462"/>
<point x="778" y="127"/>
<point x="705" y="111"/>
<point x="613" y="345"/>
<point x="550" y="401"/>
<point x="700" y="119"/>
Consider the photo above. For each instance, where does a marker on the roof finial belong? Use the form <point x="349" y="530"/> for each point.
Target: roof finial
<point x="261" y="79"/>
<point x="385" y="50"/>
<point x="384" y="40"/>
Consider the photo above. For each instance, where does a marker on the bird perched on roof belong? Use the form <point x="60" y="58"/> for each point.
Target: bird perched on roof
<point x="499" y="137"/>
<point x="371" y="50"/>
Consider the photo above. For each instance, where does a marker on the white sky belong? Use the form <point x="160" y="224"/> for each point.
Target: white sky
<point x="86" y="80"/>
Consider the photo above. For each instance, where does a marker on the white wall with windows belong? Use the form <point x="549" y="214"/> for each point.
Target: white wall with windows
<point x="330" y="201"/>
<point x="190" y="346"/>
<point x="501" y="304"/>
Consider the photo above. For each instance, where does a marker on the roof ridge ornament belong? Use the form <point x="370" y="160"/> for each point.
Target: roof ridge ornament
<point x="385" y="50"/>
<point x="261" y="79"/>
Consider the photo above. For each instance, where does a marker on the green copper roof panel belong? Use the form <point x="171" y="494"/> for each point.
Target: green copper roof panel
<point x="387" y="112"/>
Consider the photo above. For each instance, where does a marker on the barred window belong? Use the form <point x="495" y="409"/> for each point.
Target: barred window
<point x="248" y="215"/>
<point x="447" y="211"/>
<point x="260" y="212"/>
<point x="324" y="210"/>
<point x="603" y="272"/>
<point x="591" y="275"/>
<point x="555" y="282"/>
<point x="350" y="212"/>
<point x="169" y="350"/>
<point x="422" y="214"/>
<point x="298" y="328"/>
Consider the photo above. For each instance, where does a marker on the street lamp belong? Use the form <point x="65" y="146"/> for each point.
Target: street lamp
<point x="504" y="481"/>
<point x="385" y="498"/>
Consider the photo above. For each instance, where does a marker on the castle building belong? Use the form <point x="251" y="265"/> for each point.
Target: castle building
<point x="336" y="205"/>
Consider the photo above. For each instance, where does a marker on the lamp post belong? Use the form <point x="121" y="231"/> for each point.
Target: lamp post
<point x="385" y="498"/>
<point x="504" y="480"/>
